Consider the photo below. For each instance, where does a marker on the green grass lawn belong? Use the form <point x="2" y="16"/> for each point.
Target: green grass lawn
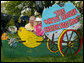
<point x="76" y="58"/>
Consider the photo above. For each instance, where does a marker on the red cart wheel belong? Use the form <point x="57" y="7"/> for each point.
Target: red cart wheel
<point x="72" y="44"/>
<point x="52" y="45"/>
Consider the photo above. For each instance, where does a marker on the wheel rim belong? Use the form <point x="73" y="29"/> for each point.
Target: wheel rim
<point x="52" y="46"/>
<point x="70" y="46"/>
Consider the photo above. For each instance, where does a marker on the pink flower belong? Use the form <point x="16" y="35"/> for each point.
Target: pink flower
<point x="38" y="30"/>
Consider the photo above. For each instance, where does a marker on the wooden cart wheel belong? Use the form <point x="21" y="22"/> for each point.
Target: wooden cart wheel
<point x="72" y="44"/>
<point x="52" y="45"/>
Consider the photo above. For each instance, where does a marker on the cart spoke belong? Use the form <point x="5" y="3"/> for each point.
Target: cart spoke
<point x="64" y="41"/>
<point x="70" y="51"/>
<point x="64" y="47"/>
<point x="75" y="41"/>
<point x="53" y="38"/>
<point x="71" y="35"/>
<point x="66" y="51"/>
<point x="67" y="36"/>
<point x="74" y="50"/>
<point x="76" y="45"/>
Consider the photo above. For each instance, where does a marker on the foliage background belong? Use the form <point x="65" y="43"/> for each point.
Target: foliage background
<point x="22" y="8"/>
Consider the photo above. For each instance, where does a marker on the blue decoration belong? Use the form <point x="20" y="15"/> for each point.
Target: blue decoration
<point x="49" y="13"/>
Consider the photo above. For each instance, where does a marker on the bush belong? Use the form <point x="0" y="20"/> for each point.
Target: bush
<point x="11" y="22"/>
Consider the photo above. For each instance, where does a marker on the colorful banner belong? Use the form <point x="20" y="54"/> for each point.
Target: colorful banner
<point x="55" y="19"/>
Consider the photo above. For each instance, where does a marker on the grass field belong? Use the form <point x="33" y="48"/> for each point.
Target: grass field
<point x="76" y="58"/>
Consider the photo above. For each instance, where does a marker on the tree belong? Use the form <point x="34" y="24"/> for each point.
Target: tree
<point x="3" y="5"/>
<point x="47" y="3"/>
<point x="13" y="8"/>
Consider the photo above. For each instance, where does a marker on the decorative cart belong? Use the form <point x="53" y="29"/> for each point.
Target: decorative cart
<point x="60" y="25"/>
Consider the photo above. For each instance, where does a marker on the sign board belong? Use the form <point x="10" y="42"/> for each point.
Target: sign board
<point x="55" y="19"/>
